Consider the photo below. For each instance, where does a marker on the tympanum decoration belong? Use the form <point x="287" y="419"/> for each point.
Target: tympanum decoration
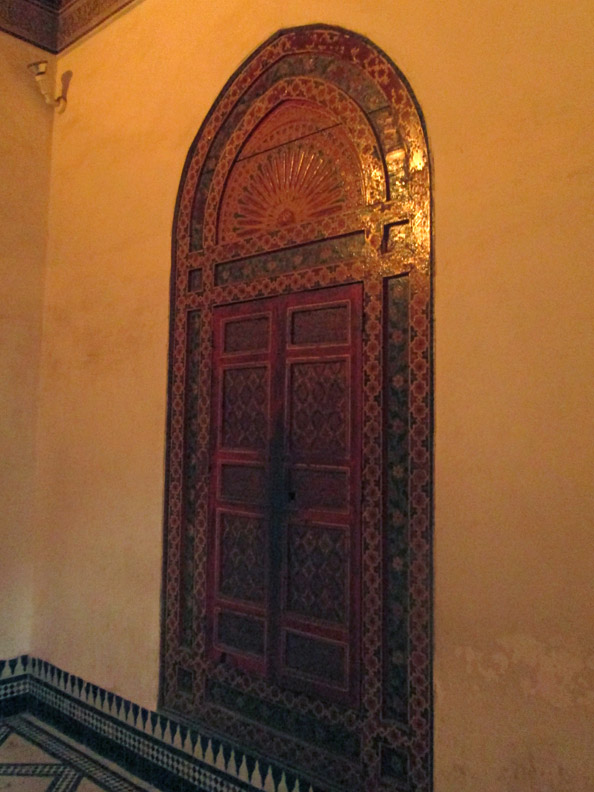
<point x="296" y="617"/>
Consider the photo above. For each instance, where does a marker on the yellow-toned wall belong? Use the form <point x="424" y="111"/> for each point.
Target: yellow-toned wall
<point x="505" y="89"/>
<point x="25" y="135"/>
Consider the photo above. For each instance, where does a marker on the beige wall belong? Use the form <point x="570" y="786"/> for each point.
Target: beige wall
<point x="25" y="132"/>
<point x="505" y="88"/>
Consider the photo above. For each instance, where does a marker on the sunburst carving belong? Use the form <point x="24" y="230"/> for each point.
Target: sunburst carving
<point x="302" y="180"/>
<point x="290" y="186"/>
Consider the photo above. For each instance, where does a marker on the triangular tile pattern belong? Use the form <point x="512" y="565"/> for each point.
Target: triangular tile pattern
<point x="149" y="744"/>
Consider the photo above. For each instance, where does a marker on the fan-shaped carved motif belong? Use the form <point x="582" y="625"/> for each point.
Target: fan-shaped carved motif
<point x="308" y="176"/>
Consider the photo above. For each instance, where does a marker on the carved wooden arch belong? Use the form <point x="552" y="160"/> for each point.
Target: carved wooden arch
<point x="310" y="172"/>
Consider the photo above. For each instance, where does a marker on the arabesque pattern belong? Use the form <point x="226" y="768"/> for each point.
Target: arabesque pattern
<point x="377" y="232"/>
<point x="243" y="555"/>
<point x="317" y="572"/>
<point x="319" y="409"/>
<point x="245" y="403"/>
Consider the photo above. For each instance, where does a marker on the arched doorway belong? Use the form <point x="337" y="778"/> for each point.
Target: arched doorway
<point x="296" y="616"/>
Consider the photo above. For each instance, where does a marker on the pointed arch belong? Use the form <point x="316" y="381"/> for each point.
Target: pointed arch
<point x="302" y="259"/>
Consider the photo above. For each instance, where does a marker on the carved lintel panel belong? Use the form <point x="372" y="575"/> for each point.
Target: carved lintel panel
<point x="300" y="421"/>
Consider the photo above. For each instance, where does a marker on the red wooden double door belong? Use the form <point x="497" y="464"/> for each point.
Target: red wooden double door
<point x="284" y="537"/>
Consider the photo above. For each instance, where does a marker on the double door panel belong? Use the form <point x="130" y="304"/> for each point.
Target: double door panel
<point x="284" y="538"/>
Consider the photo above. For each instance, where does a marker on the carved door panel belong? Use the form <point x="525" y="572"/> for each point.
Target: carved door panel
<point x="243" y="409"/>
<point x="285" y="492"/>
<point x="318" y="641"/>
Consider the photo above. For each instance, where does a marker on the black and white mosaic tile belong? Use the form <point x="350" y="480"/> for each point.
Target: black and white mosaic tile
<point x="48" y="707"/>
<point x="33" y="758"/>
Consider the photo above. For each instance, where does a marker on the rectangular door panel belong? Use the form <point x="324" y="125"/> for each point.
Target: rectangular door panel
<point x="247" y="334"/>
<point x="318" y="403"/>
<point x="242" y="482"/>
<point x="240" y="633"/>
<point x="239" y="529"/>
<point x="318" y="567"/>
<point x="319" y="625"/>
<point x="242" y="552"/>
<point x="319" y="488"/>
<point x="314" y="325"/>
<point x="244" y="408"/>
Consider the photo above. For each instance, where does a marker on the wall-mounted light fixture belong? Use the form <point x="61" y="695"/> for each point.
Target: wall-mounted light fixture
<point x="38" y="69"/>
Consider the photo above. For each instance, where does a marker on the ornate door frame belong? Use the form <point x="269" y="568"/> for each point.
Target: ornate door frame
<point x="243" y="231"/>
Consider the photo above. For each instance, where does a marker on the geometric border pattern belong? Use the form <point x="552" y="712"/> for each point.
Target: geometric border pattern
<point x="65" y="779"/>
<point x="156" y="748"/>
<point x="73" y="764"/>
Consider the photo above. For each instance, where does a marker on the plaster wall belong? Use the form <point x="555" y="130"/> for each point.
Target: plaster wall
<point x="505" y="90"/>
<point x="25" y="136"/>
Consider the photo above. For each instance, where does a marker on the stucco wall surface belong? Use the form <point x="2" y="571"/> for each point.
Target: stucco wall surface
<point x="505" y="89"/>
<point x="25" y="136"/>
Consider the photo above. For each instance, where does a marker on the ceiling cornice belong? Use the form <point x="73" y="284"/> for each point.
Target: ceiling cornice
<point x="54" y="25"/>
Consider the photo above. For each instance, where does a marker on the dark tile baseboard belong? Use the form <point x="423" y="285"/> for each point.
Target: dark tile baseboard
<point x="152" y="746"/>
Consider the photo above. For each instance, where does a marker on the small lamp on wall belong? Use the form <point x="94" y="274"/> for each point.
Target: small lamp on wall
<point x="38" y="69"/>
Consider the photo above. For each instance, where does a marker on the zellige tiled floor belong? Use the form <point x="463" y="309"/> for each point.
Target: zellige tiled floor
<point x="36" y="758"/>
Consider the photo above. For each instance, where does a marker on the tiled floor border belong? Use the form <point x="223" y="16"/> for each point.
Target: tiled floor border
<point x="152" y="746"/>
<point x="71" y="764"/>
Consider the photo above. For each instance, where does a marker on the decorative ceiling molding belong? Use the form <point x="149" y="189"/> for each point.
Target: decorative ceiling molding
<point x="30" y="21"/>
<point x="54" y="25"/>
